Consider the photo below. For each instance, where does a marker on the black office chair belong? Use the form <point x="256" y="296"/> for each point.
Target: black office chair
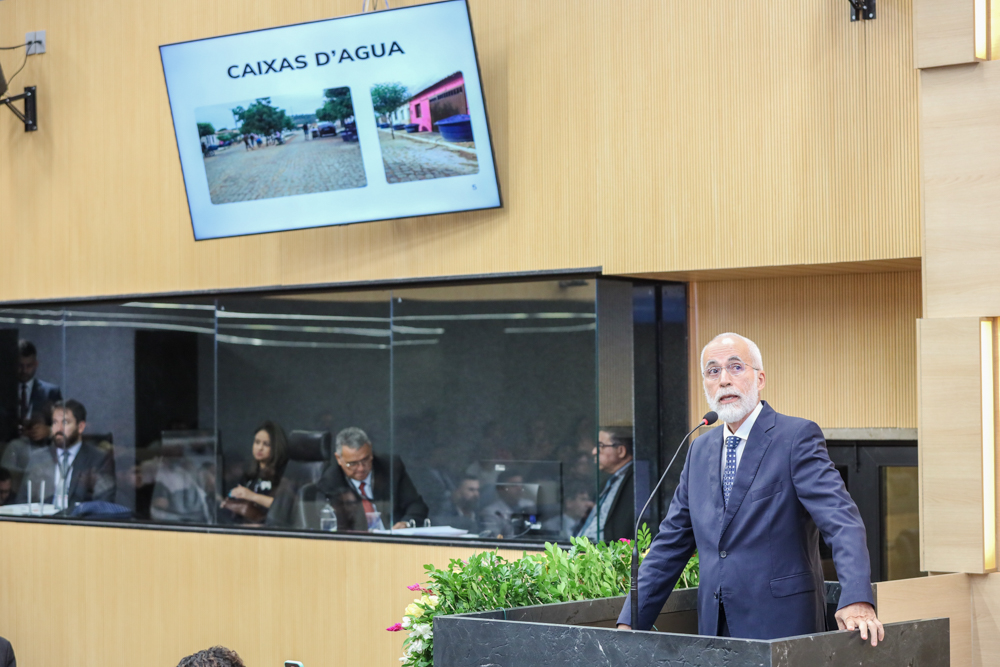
<point x="309" y="455"/>
<point x="187" y="482"/>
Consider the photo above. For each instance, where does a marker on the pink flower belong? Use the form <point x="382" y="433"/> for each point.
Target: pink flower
<point x="395" y="628"/>
<point x="414" y="587"/>
<point x="626" y="541"/>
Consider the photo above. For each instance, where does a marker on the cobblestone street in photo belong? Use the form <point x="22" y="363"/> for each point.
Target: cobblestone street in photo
<point x="296" y="168"/>
<point x="409" y="159"/>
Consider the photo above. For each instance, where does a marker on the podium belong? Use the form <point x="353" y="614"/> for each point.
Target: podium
<point x="582" y="633"/>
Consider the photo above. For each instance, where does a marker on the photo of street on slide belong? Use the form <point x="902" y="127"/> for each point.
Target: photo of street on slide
<point x="424" y="130"/>
<point x="280" y="146"/>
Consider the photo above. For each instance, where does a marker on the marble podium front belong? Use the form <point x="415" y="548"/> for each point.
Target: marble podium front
<point x="582" y="633"/>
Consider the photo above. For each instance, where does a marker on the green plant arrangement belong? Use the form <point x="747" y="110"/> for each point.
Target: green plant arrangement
<point x="585" y="571"/>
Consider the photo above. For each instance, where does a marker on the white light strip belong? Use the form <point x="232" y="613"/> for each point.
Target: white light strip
<point x="496" y="316"/>
<point x="535" y="330"/>
<point x="168" y="306"/>
<point x="232" y="314"/>
<point x="264" y="342"/>
<point x="989" y="448"/>
<point x="347" y="331"/>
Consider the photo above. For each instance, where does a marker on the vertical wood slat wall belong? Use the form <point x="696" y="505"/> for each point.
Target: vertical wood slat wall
<point x="839" y="350"/>
<point x="643" y="136"/>
<point x="120" y="597"/>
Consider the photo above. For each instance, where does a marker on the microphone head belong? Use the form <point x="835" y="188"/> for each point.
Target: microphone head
<point x="710" y="418"/>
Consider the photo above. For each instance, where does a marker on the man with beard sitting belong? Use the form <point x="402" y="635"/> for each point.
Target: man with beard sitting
<point x="73" y="471"/>
<point x="753" y="498"/>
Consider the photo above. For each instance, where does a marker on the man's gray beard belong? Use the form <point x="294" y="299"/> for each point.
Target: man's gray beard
<point x="731" y="413"/>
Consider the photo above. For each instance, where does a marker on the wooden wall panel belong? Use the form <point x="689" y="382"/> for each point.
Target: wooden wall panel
<point x="643" y="136"/>
<point x="944" y="32"/>
<point x="943" y="596"/>
<point x="960" y="141"/>
<point x="951" y="446"/>
<point x="145" y="597"/>
<point x="985" y="620"/>
<point x="839" y="350"/>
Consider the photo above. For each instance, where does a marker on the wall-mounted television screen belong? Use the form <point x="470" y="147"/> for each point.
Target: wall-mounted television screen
<point x="367" y="117"/>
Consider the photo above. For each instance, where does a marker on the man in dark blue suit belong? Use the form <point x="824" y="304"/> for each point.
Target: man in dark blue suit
<point x="753" y="498"/>
<point x="34" y="395"/>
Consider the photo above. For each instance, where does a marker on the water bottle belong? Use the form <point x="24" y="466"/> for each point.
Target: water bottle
<point x="328" y="519"/>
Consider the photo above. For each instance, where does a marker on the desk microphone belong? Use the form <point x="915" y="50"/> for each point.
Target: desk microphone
<point x="710" y="418"/>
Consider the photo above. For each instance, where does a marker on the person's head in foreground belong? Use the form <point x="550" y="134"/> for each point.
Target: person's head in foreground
<point x="217" y="656"/>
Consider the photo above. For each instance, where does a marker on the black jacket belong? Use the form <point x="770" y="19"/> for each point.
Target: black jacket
<point x="406" y="503"/>
<point x="621" y="517"/>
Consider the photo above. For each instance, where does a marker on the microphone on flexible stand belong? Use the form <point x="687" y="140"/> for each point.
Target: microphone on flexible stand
<point x="710" y="418"/>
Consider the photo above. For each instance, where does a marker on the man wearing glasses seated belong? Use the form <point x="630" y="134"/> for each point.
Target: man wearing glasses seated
<point x="378" y="485"/>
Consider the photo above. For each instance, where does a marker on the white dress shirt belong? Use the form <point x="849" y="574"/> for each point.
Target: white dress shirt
<point x="368" y="486"/>
<point x="62" y="486"/>
<point x="743" y="432"/>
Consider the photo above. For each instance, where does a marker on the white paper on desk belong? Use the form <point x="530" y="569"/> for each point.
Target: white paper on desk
<point x="429" y="531"/>
<point x="25" y="509"/>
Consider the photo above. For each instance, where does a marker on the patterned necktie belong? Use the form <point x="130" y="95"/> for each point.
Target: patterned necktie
<point x="369" y="507"/>
<point x="24" y="401"/>
<point x="729" y="475"/>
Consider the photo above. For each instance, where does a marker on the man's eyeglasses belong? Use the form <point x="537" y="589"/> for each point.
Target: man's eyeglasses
<point x="351" y="465"/>
<point x="735" y="369"/>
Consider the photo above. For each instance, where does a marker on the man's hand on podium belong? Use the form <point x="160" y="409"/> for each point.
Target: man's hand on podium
<point x="861" y="616"/>
<point x="622" y="626"/>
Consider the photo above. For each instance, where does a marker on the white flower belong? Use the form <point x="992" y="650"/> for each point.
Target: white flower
<point x="424" y="630"/>
<point x="417" y="646"/>
<point x="407" y="621"/>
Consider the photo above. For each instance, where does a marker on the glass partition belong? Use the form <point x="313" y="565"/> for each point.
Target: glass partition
<point x="32" y="354"/>
<point x="485" y="411"/>
<point x="300" y="368"/>
<point x="494" y="399"/>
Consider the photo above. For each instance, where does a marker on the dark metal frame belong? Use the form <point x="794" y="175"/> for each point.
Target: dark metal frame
<point x="864" y="460"/>
<point x="30" y="115"/>
<point x="862" y="10"/>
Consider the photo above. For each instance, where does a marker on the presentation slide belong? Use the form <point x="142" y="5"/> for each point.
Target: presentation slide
<point x="367" y="117"/>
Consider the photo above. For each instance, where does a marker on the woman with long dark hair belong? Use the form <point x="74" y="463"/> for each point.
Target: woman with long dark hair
<point x="253" y="496"/>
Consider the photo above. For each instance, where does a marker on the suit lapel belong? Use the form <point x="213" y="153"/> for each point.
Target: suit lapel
<point x="753" y="453"/>
<point x="79" y="468"/>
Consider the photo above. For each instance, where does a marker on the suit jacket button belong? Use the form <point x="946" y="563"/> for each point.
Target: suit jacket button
<point x="716" y="595"/>
<point x="722" y="554"/>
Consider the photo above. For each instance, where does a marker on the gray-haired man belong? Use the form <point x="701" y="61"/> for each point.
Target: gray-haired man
<point x="376" y="483"/>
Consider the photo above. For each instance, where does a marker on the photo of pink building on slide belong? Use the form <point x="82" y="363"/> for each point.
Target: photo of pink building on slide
<point x="425" y="130"/>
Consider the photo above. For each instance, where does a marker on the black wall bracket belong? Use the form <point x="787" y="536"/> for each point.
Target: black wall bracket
<point x="30" y="115"/>
<point x="862" y="10"/>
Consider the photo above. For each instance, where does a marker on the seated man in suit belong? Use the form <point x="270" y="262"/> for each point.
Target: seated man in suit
<point x="372" y="480"/>
<point x="577" y="503"/>
<point x="73" y="471"/>
<point x="617" y="500"/>
<point x="34" y="395"/>
<point x="462" y="507"/>
<point x="504" y="517"/>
